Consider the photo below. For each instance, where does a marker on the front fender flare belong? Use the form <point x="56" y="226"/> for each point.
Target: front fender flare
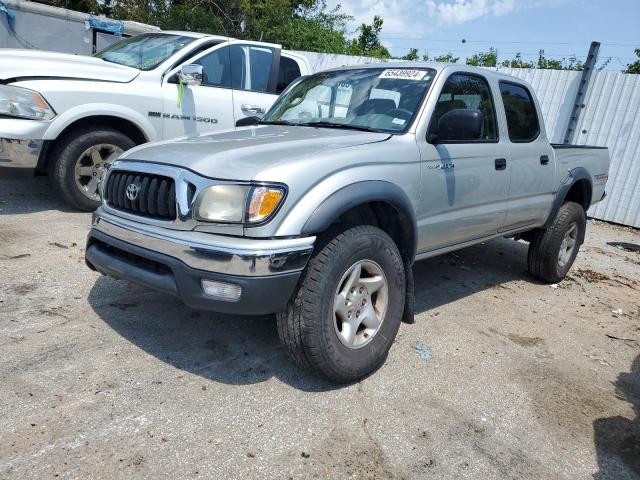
<point x="361" y="193"/>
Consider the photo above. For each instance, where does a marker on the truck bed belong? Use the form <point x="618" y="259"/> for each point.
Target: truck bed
<point x="595" y="160"/>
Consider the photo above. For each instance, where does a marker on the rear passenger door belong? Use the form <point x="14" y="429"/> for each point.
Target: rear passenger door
<point x="464" y="183"/>
<point x="531" y="159"/>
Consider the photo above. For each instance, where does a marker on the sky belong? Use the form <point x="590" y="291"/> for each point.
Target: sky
<point x="562" y="28"/>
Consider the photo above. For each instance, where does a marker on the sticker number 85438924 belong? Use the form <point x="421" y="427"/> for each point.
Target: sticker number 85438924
<point x="403" y="73"/>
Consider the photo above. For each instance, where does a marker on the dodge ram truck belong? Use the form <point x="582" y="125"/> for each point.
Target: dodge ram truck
<point x="69" y="116"/>
<point x="317" y="211"/>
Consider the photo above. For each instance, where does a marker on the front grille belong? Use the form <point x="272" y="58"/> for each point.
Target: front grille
<point x="155" y="196"/>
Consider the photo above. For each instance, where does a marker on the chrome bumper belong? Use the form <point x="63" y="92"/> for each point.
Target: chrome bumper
<point x="19" y="153"/>
<point x="209" y="252"/>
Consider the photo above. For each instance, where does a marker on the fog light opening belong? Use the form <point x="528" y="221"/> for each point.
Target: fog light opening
<point x="226" y="291"/>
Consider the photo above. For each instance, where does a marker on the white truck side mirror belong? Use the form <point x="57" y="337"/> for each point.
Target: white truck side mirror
<point x="191" y="74"/>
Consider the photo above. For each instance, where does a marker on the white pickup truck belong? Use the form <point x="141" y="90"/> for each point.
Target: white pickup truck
<point x="69" y="116"/>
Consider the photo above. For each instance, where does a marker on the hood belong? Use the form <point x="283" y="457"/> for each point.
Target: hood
<point x="37" y="64"/>
<point x="242" y="154"/>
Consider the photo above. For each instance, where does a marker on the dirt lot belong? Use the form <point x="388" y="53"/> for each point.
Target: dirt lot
<point x="103" y="379"/>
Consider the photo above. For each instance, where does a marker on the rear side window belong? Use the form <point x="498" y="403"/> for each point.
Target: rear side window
<point x="522" y="117"/>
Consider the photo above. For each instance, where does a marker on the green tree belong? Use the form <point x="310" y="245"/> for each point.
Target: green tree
<point x="368" y="42"/>
<point x="517" y="62"/>
<point x="307" y="26"/>
<point x="88" y="6"/>
<point x="446" y="58"/>
<point x="484" y="59"/>
<point x="635" y="66"/>
<point x="545" y="63"/>
<point x="296" y="24"/>
<point x="412" y="55"/>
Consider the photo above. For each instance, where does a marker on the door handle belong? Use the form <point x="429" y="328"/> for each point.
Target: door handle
<point x="252" y="108"/>
<point x="501" y="163"/>
<point x="544" y="160"/>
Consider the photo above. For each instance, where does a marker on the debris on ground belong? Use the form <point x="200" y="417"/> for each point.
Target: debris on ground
<point x="554" y="285"/>
<point x="59" y="245"/>
<point x="16" y="257"/>
<point x="629" y="247"/>
<point x="613" y="337"/>
<point x="423" y="350"/>
<point x="628" y="282"/>
<point x="590" y="276"/>
<point x="617" y="312"/>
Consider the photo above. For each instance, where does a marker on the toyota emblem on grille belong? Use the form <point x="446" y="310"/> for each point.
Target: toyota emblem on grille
<point x="132" y="191"/>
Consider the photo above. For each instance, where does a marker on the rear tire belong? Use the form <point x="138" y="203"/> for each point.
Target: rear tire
<point x="357" y="276"/>
<point x="553" y="250"/>
<point x="78" y="164"/>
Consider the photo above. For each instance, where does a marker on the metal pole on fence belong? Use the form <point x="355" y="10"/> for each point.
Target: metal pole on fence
<point x="583" y="86"/>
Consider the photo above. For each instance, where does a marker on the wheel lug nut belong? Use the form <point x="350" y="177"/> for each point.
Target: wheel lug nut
<point x="361" y="290"/>
<point x="357" y="313"/>
<point x="364" y="302"/>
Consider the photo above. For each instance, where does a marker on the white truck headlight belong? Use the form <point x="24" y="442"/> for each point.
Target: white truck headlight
<point x="24" y="103"/>
<point x="232" y="203"/>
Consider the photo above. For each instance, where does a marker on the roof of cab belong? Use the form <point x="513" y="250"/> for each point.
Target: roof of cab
<point x="438" y="66"/>
<point x="195" y="34"/>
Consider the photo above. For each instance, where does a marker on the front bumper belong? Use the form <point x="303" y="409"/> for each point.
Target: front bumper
<point x="21" y="142"/>
<point x="176" y="262"/>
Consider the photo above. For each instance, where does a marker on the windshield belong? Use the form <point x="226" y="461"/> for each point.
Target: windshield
<point x="144" y="52"/>
<point x="376" y="99"/>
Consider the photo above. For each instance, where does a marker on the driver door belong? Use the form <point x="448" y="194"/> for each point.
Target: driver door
<point x="239" y="80"/>
<point x="465" y="182"/>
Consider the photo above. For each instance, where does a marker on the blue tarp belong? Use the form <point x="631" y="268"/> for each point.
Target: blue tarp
<point x="104" y="25"/>
<point x="11" y="17"/>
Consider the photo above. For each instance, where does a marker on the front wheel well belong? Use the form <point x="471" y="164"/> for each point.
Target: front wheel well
<point x="122" y="125"/>
<point x="386" y="216"/>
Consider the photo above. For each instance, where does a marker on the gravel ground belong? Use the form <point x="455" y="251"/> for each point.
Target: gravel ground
<point x="512" y="378"/>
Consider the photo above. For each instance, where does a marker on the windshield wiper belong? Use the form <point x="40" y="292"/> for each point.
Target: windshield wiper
<point x="346" y="126"/>
<point x="275" y="122"/>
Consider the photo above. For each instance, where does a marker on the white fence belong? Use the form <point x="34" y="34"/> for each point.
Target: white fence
<point x="611" y="116"/>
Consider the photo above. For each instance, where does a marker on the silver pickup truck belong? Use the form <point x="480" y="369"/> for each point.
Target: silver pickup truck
<point x="318" y="210"/>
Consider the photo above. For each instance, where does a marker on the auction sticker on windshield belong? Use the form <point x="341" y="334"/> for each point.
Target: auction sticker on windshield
<point x="404" y="74"/>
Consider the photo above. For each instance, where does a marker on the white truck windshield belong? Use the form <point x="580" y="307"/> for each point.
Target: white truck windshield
<point x="144" y="52"/>
<point x="377" y="99"/>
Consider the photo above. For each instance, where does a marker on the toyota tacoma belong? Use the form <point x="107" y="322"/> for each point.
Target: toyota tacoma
<point x="317" y="211"/>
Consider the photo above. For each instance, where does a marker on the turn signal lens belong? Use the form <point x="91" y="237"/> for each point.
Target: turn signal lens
<point x="263" y="202"/>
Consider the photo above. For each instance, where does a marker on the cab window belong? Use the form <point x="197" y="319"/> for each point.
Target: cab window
<point x="241" y="67"/>
<point x="469" y="92"/>
<point x="520" y="110"/>
<point x="289" y="70"/>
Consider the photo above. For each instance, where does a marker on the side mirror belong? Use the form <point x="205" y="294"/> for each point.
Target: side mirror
<point x="458" y="125"/>
<point x="191" y="74"/>
<point x="247" y="121"/>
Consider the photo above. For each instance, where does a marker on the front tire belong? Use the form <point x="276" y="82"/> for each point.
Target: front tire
<point x="349" y="306"/>
<point x="80" y="161"/>
<point x="553" y="250"/>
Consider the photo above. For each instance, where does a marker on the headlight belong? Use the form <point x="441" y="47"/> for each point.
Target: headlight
<point x="24" y="103"/>
<point x="238" y="203"/>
